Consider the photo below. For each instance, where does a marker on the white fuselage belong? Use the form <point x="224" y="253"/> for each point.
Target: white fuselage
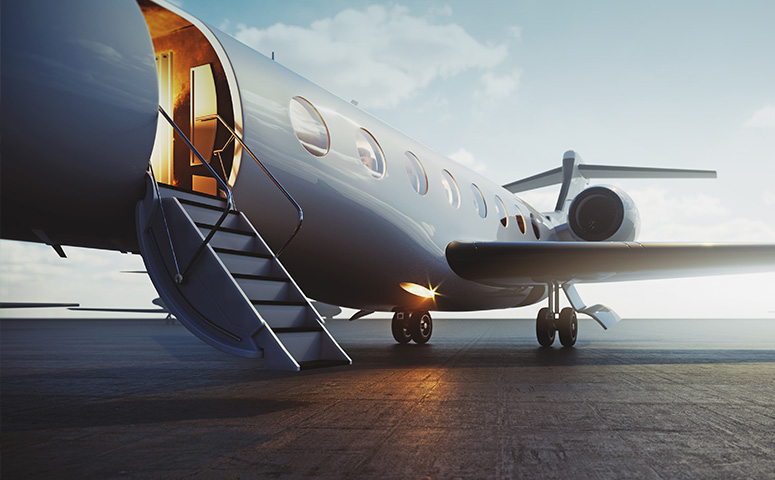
<point x="362" y="236"/>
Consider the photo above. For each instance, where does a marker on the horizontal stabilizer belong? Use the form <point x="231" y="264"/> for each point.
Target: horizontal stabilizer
<point x="524" y="263"/>
<point x="612" y="171"/>
<point x="556" y="175"/>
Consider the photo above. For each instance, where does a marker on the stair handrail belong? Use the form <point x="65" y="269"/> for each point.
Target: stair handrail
<point x="274" y="180"/>
<point x="229" y="199"/>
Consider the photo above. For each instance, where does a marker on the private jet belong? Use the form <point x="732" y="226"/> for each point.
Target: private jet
<point x="248" y="190"/>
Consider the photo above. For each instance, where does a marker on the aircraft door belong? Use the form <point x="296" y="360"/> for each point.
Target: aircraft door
<point x="204" y="103"/>
<point x="161" y="158"/>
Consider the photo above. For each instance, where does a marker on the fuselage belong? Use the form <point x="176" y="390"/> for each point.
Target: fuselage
<point x="379" y="207"/>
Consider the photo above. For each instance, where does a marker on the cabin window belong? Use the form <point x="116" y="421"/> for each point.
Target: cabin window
<point x="450" y="188"/>
<point x="500" y="211"/>
<point x="309" y="126"/>
<point x="416" y="173"/>
<point x="520" y="219"/>
<point x="481" y="206"/>
<point x="370" y="153"/>
<point x="536" y="229"/>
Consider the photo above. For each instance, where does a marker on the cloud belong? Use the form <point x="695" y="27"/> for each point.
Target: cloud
<point x="380" y="55"/>
<point x="515" y="32"/>
<point x="696" y="217"/>
<point x="762" y="118"/>
<point x="497" y="87"/>
<point x="466" y="158"/>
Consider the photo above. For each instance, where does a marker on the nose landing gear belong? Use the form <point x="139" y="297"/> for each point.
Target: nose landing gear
<point x="415" y="325"/>
<point x="548" y="322"/>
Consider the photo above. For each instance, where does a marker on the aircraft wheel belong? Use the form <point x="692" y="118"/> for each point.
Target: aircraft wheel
<point x="568" y="327"/>
<point x="400" y="329"/>
<point x="545" y="327"/>
<point x="420" y="326"/>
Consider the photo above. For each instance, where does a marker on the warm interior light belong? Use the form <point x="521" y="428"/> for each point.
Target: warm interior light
<point x="418" y="290"/>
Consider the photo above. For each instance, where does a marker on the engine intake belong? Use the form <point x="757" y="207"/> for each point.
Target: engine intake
<point x="604" y="213"/>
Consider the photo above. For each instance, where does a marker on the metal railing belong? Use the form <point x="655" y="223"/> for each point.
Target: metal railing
<point x="229" y="199"/>
<point x="287" y="195"/>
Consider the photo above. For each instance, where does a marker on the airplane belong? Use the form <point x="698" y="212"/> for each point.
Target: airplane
<point x="248" y="190"/>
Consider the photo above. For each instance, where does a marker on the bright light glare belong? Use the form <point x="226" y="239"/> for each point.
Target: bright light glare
<point x="418" y="290"/>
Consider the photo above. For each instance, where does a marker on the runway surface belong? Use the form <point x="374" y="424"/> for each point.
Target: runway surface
<point x="141" y="399"/>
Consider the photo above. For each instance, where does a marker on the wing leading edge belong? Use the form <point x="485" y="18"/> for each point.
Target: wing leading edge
<point x="519" y="263"/>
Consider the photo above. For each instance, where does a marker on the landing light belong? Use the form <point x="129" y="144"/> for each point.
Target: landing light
<point x="418" y="290"/>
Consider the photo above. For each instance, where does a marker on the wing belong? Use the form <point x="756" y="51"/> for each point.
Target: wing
<point x="506" y="263"/>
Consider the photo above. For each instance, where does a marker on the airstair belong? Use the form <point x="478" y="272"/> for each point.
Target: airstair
<point x="222" y="281"/>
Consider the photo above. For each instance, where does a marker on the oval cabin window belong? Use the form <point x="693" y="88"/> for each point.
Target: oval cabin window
<point x="309" y="127"/>
<point x="520" y="219"/>
<point x="481" y="206"/>
<point x="450" y="188"/>
<point x="416" y="174"/>
<point x="500" y="211"/>
<point x="370" y="153"/>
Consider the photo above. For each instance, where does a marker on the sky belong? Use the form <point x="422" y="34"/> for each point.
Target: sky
<point x="506" y="88"/>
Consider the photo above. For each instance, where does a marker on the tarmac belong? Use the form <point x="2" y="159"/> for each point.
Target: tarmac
<point x="140" y="399"/>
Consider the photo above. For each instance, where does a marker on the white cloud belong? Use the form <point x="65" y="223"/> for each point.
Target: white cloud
<point x="440" y="11"/>
<point x="695" y="217"/>
<point x="762" y="118"/>
<point x="466" y="158"/>
<point x="380" y="56"/>
<point x="497" y="87"/>
<point x="515" y="32"/>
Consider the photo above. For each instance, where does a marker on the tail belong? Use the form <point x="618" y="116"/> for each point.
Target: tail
<point x="574" y="176"/>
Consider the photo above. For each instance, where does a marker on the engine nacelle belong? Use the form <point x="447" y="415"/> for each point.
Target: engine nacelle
<point x="604" y="213"/>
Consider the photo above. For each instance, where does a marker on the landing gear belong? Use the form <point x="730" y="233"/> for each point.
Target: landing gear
<point x="545" y="327"/>
<point x="568" y="327"/>
<point x="547" y="322"/>
<point x="416" y="326"/>
<point x="400" y="328"/>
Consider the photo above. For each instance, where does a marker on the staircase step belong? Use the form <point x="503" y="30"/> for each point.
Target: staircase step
<point x="224" y="228"/>
<point x="312" y="364"/>
<point x="289" y="303"/>
<point x="245" y="263"/>
<point x="302" y="345"/>
<point x="281" y="330"/>
<point x="243" y="253"/>
<point x="233" y="241"/>
<point x="191" y="196"/>
<point x="263" y="278"/>
<point x="208" y="215"/>
<point x="266" y="290"/>
<point x="216" y="207"/>
<point x="286" y="316"/>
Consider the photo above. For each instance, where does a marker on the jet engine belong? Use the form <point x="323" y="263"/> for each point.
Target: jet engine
<point x="604" y="213"/>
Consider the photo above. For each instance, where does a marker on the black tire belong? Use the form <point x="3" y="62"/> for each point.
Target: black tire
<point x="420" y="326"/>
<point x="545" y="327"/>
<point x="568" y="327"/>
<point x="400" y="329"/>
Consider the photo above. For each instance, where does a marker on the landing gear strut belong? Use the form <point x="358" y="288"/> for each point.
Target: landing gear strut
<point x="548" y="321"/>
<point x="416" y="325"/>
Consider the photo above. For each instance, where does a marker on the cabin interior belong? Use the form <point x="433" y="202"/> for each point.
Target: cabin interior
<point x="193" y="88"/>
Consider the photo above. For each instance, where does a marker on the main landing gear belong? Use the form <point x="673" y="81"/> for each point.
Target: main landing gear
<point x="548" y="322"/>
<point x="416" y="326"/>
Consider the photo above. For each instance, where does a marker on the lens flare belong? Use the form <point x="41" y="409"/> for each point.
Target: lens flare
<point x="418" y="290"/>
